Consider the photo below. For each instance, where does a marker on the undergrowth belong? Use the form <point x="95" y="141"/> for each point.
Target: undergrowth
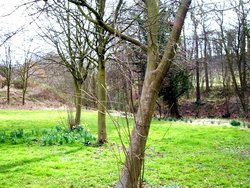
<point x="55" y="136"/>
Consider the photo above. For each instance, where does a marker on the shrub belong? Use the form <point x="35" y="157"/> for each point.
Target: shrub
<point x="16" y="136"/>
<point x="35" y="132"/>
<point x="18" y="84"/>
<point x="2" y="137"/>
<point x="171" y="119"/>
<point x="248" y="125"/>
<point x="235" y="123"/>
<point x="58" y="135"/>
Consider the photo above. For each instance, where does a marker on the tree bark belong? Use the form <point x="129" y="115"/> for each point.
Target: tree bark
<point x="23" y="96"/>
<point x="8" y="93"/>
<point x="102" y="103"/>
<point x="206" y="64"/>
<point x="25" y="84"/>
<point x="173" y="107"/>
<point x="78" y="102"/>
<point x="101" y="87"/>
<point x="197" y="66"/>
<point x="155" y="73"/>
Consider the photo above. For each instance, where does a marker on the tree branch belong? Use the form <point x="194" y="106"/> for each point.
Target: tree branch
<point x="101" y="23"/>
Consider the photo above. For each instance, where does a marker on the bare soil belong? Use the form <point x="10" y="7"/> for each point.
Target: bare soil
<point x="36" y="98"/>
<point x="210" y="109"/>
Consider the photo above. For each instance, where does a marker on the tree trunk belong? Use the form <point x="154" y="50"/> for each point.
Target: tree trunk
<point x="101" y="87"/>
<point x="24" y="91"/>
<point x="206" y="59"/>
<point x="197" y="68"/>
<point x="185" y="56"/>
<point x="155" y="74"/>
<point x="206" y="76"/>
<point x="173" y="107"/>
<point x="23" y="97"/>
<point x="8" y="93"/>
<point x="135" y="154"/>
<point x="102" y="103"/>
<point x="78" y="102"/>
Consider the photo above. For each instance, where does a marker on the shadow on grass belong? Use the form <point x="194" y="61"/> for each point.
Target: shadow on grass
<point x="7" y="167"/>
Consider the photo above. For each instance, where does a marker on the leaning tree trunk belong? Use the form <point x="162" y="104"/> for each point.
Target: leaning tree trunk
<point x="102" y="103"/>
<point x="155" y="73"/>
<point x="78" y="102"/>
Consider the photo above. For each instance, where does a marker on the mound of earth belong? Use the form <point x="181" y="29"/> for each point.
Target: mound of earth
<point x="36" y="98"/>
<point x="210" y="109"/>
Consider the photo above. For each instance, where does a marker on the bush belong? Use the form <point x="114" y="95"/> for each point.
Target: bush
<point x="18" y="84"/>
<point x="16" y="136"/>
<point x="171" y="119"/>
<point x="235" y="123"/>
<point x="58" y="135"/>
<point x="248" y="125"/>
<point x="2" y="137"/>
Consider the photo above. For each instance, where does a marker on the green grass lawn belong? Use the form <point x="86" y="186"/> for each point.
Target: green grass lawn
<point x="177" y="155"/>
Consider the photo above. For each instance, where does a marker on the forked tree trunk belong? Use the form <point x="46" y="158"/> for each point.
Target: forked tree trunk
<point x="155" y="73"/>
<point x="102" y="103"/>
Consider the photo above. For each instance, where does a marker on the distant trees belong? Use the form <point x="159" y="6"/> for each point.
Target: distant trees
<point x="69" y="40"/>
<point x="196" y="58"/>
<point x="234" y="43"/>
<point x="6" y="68"/>
<point x="25" y="70"/>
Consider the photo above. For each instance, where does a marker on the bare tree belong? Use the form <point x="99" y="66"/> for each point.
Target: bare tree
<point x="157" y="68"/>
<point x="197" y="63"/>
<point x="6" y="68"/>
<point x="101" y="43"/>
<point x="65" y="34"/>
<point x="234" y="44"/>
<point x="205" y="34"/>
<point x="25" y="71"/>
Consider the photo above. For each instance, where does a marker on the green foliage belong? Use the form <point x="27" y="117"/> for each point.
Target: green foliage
<point x="2" y="136"/>
<point x="175" y="84"/>
<point x="16" y="136"/>
<point x="35" y="132"/>
<point x="235" y="123"/>
<point x="248" y="125"/>
<point x="58" y="135"/>
<point x="171" y="119"/>
<point x="53" y="136"/>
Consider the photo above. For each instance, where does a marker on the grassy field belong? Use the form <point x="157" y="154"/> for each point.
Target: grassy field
<point x="177" y="155"/>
